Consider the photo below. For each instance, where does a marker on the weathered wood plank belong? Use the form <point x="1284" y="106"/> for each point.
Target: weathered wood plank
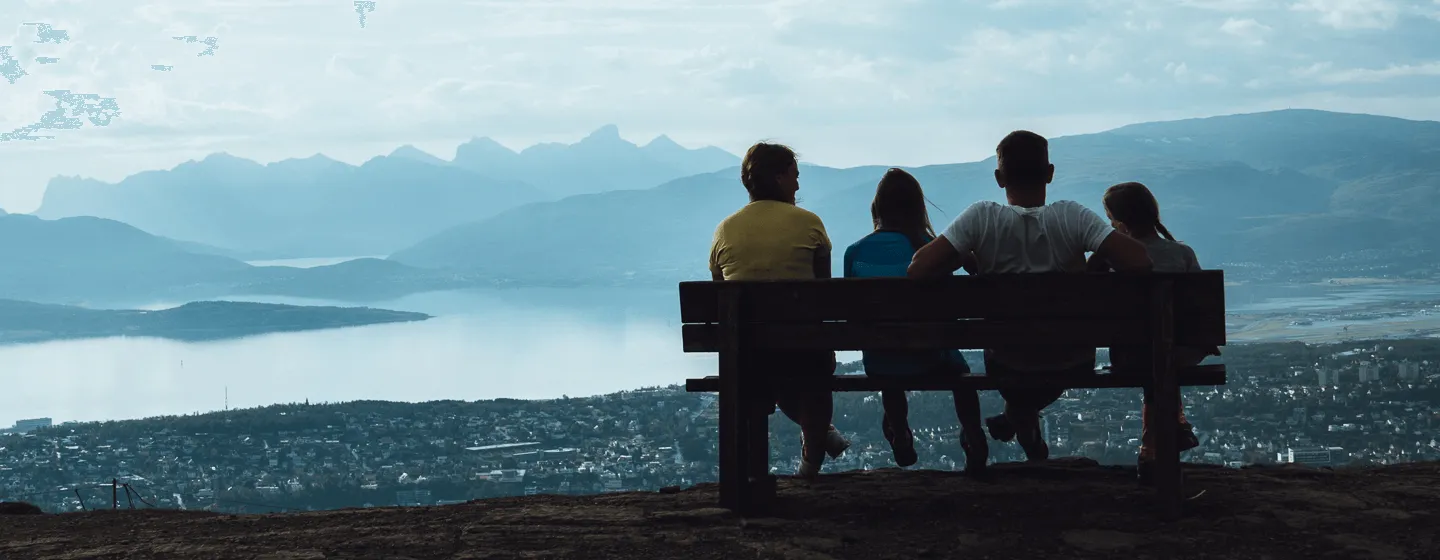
<point x="732" y="429"/>
<point x="1165" y="404"/>
<point x="1198" y="295"/>
<point x="1206" y="375"/>
<point x="964" y="335"/>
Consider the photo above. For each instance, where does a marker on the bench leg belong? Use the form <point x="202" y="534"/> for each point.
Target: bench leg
<point x="731" y="431"/>
<point x="1167" y="475"/>
<point x="746" y="485"/>
<point x="1167" y="401"/>
<point x="760" y="484"/>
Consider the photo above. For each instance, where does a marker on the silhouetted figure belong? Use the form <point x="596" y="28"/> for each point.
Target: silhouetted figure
<point x="1133" y="211"/>
<point x="1027" y="235"/>
<point x="902" y="226"/>
<point x="773" y="239"/>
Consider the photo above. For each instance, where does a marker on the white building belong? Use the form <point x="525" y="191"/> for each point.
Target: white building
<point x="1369" y="372"/>
<point x="1314" y="456"/>
<point x="23" y="426"/>
<point x="1409" y="371"/>
<point x="413" y="498"/>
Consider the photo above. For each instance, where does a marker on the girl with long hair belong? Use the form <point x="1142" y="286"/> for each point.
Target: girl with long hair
<point x="902" y="226"/>
<point x="1134" y="211"/>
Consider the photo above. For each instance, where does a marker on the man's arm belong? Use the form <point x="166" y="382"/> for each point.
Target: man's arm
<point x="716" y="274"/>
<point x="949" y="251"/>
<point x="822" y="261"/>
<point x="970" y="263"/>
<point x="1096" y="264"/>
<point x="1123" y="253"/>
<point x="937" y="258"/>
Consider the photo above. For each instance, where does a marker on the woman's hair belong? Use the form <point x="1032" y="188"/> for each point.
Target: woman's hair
<point x="900" y="206"/>
<point x="763" y="162"/>
<point x="1133" y="204"/>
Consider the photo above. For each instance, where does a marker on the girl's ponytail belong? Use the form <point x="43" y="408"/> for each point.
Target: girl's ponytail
<point x="1163" y="232"/>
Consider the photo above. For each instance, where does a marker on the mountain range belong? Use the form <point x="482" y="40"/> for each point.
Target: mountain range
<point x="600" y="162"/>
<point x="318" y="206"/>
<point x="88" y="261"/>
<point x="1264" y="188"/>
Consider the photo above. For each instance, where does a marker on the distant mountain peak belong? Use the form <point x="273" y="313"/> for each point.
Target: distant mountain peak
<point x="663" y="142"/>
<point x="409" y="151"/>
<point x="484" y="144"/>
<point x="313" y="158"/>
<point x="219" y="159"/>
<point x="608" y="132"/>
<point x="222" y="157"/>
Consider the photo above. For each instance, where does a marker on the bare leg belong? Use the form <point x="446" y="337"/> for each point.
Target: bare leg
<point x="897" y="410"/>
<point x="967" y="410"/>
<point x="812" y="411"/>
<point x="1026" y="421"/>
<point x="972" y="432"/>
<point x="896" y="427"/>
<point x="820" y="410"/>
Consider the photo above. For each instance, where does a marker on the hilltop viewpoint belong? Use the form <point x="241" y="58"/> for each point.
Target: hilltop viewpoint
<point x="1068" y="508"/>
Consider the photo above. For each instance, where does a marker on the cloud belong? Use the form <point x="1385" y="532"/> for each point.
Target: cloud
<point x="1353" y="14"/>
<point x="934" y="78"/>
<point x="1246" y="30"/>
<point x="1324" y="74"/>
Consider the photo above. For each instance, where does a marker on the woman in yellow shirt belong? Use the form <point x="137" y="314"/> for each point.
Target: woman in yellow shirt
<point x="773" y="239"/>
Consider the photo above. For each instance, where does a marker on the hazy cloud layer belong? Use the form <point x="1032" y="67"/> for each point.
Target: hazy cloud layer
<point x="846" y="81"/>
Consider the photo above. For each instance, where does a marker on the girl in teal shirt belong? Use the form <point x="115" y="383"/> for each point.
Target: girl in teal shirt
<point x="901" y="227"/>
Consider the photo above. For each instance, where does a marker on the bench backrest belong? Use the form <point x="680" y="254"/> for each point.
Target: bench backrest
<point x="963" y="312"/>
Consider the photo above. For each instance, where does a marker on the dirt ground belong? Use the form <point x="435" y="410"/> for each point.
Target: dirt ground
<point x="1062" y="509"/>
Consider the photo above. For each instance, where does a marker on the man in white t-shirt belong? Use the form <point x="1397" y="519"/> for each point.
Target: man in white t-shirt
<point x="1027" y="235"/>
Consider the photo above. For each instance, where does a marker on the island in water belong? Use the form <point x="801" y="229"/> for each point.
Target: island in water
<point x="23" y="321"/>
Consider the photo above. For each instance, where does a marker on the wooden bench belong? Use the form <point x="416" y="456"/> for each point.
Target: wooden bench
<point x="1154" y="311"/>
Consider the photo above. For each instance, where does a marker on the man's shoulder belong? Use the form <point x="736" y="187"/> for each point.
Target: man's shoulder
<point x="1067" y="205"/>
<point x="727" y="220"/>
<point x="977" y="211"/>
<point x="802" y="213"/>
<point x="770" y="208"/>
<point x="984" y="206"/>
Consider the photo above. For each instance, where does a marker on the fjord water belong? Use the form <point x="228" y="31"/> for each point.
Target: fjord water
<point x="484" y="343"/>
<point x="519" y="343"/>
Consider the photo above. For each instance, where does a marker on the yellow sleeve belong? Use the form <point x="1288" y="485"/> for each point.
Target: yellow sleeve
<point x="817" y="233"/>
<point x="716" y="246"/>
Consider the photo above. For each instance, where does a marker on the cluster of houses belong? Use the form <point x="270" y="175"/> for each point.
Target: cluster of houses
<point x="1364" y="405"/>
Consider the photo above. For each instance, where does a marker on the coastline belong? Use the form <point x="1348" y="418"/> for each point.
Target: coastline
<point x="29" y="323"/>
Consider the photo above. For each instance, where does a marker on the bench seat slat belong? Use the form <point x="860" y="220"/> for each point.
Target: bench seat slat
<point x="967" y="334"/>
<point x="1198" y="295"/>
<point x="1204" y="375"/>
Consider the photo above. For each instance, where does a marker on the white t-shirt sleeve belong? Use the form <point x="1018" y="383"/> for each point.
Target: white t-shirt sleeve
<point x="962" y="230"/>
<point x="1089" y="228"/>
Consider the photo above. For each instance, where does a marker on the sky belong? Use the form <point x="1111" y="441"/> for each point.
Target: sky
<point x="846" y="82"/>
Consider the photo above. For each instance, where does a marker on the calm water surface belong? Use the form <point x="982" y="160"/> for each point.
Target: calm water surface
<point x="520" y="343"/>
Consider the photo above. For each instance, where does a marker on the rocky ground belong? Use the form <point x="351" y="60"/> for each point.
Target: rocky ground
<point x="1063" y="509"/>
